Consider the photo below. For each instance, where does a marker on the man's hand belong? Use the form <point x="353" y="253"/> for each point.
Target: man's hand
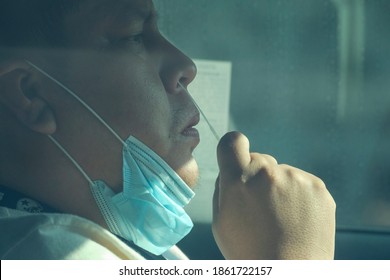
<point x="266" y="210"/>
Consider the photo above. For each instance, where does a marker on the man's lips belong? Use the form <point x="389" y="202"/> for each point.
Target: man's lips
<point x="190" y="130"/>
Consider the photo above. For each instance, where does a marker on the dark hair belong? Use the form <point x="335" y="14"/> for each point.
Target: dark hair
<point x="33" y="23"/>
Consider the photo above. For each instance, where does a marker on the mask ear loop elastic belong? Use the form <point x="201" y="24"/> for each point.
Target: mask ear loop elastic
<point x="213" y="131"/>
<point x="71" y="159"/>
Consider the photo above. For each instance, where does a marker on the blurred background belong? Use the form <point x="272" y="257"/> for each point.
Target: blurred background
<point x="310" y="85"/>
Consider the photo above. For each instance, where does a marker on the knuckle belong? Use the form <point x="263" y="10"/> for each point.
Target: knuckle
<point x="270" y="159"/>
<point x="334" y="205"/>
<point x="319" y="184"/>
<point x="261" y="172"/>
<point x="267" y="174"/>
<point x="331" y="202"/>
<point x="293" y="175"/>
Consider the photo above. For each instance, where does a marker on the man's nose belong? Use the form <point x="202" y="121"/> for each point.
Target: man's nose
<point x="176" y="68"/>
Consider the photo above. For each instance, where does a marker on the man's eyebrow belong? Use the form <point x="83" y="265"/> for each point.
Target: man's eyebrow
<point x="122" y="12"/>
<point x="130" y="12"/>
<point x="126" y="16"/>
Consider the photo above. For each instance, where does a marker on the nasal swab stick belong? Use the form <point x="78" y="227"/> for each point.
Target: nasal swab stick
<point x="213" y="131"/>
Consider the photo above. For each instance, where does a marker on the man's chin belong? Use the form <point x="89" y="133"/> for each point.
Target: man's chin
<point x="189" y="173"/>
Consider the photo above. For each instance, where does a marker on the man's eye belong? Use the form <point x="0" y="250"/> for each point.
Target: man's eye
<point x="133" y="42"/>
<point x="133" y="39"/>
<point x="138" y="38"/>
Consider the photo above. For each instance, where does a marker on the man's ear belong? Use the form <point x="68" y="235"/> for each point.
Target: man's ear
<point x="19" y="93"/>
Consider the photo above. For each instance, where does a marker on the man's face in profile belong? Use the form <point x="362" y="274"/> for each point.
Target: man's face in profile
<point x="119" y="64"/>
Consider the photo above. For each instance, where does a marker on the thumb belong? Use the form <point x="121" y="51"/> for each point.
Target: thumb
<point x="233" y="154"/>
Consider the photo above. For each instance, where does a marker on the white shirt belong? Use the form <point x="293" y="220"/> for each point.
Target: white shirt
<point x="46" y="236"/>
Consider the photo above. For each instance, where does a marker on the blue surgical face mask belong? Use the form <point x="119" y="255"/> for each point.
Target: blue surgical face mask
<point x="149" y="210"/>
